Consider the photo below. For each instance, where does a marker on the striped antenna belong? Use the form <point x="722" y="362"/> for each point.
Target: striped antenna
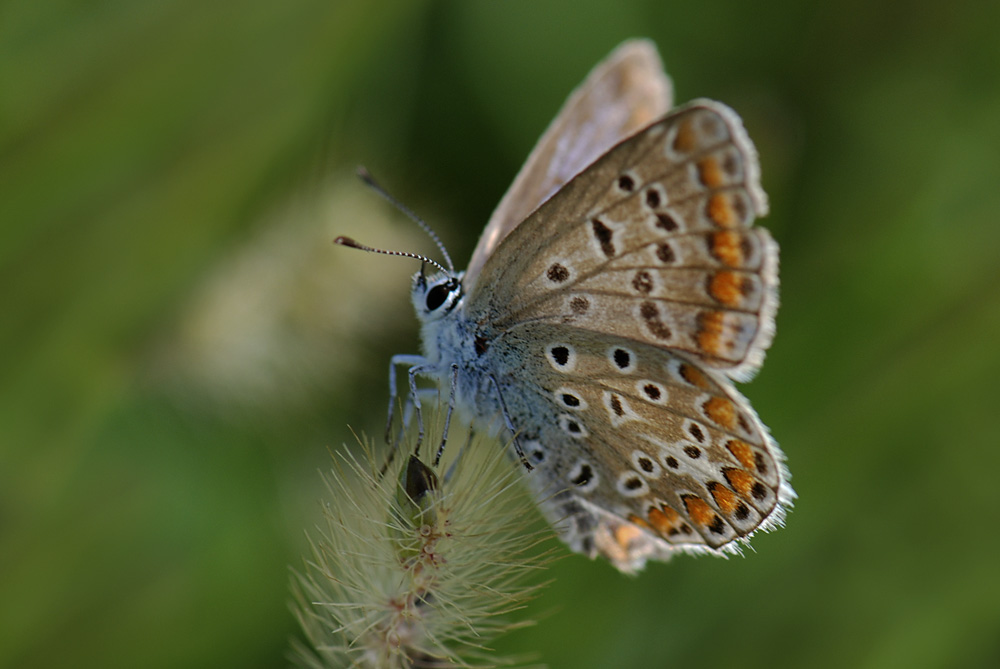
<point x="369" y="180"/>
<point x="350" y="243"/>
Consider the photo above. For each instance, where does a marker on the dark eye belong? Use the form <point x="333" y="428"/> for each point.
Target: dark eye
<point x="437" y="295"/>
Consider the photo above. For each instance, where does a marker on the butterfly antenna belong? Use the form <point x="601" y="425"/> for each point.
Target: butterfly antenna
<point x="350" y="243"/>
<point x="369" y="180"/>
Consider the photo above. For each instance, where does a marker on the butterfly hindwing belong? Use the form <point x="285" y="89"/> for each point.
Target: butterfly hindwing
<point x="641" y="435"/>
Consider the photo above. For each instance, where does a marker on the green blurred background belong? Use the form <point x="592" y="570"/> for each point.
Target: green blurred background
<point x="181" y="344"/>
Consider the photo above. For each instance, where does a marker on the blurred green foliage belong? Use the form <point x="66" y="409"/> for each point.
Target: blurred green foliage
<point x="148" y="510"/>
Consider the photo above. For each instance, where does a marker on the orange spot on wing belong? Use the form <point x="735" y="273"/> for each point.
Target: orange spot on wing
<point x="686" y="139"/>
<point x="725" y="245"/>
<point x="742" y="451"/>
<point x="721" y="211"/>
<point x="663" y="519"/>
<point x="721" y="411"/>
<point x="699" y="510"/>
<point x="727" y="288"/>
<point x="693" y="376"/>
<point x="741" y="481"/>
<point x="710" y="337"/>
<point x="710" y="173"/>
<point x="625" y="534"/>
<point x="632" y="518"/>
<point x="724" y="497"/>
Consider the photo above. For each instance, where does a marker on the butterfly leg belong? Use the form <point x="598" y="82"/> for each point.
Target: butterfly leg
<point x="397" y="360"/>
<point x="407" y="416"/>
<point x="510" y="426"/>
<point x="426" y="395"/>
<point x="414" y="372"/>
<point x="447" y="419"/>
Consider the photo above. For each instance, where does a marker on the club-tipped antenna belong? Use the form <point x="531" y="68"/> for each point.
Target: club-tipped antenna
<point x="350" y="243"/>
<point x="369" y="180"/>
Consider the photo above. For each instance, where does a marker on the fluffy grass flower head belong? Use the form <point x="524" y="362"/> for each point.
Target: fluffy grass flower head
<point x="419" y="566"/>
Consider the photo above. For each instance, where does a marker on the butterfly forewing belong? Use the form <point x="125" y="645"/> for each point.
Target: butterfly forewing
<point x="654" y="242"/>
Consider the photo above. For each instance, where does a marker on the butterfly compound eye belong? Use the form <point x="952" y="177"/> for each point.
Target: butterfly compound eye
<point x="437" y="295"/>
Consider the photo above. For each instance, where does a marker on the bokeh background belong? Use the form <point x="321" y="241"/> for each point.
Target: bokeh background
<point x="181" y="344"/>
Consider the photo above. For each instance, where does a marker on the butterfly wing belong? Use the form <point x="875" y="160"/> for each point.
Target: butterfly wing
<point x="618" y="312"/>
<point x="624" y="93"/>
<point x="653" y="242"/>
<point x="638" y="451"/>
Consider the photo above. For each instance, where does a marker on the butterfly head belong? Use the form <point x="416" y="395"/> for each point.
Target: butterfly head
<point x="437" y="295"/>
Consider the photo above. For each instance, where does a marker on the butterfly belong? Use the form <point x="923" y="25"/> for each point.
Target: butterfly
<point x="616" y="293"/>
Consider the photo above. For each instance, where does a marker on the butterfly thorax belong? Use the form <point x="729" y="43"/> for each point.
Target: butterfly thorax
<point x="450" y="338"/>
